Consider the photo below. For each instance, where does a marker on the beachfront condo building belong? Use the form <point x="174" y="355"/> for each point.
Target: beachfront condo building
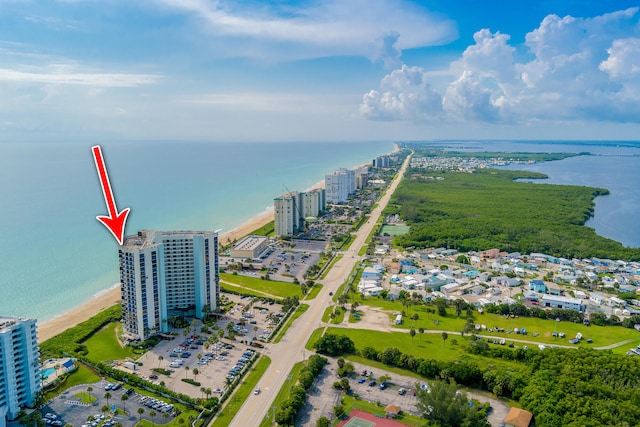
<point x="288" y="215"/>
<point x="167" y="274"/>
<point x="339" y="185"/>
<point x="20" y="375"/>
<point x="313" y="203"/>
<point x="291" y="209"/>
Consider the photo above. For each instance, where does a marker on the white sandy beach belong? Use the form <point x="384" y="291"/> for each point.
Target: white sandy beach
<point x="79" y="314"/>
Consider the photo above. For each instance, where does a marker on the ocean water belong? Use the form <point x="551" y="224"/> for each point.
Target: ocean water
<point x="613" y="165"/>
<point x="54" y="255"/>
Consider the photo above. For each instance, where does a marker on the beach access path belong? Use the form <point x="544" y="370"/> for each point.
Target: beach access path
<point x="290" y="349"/>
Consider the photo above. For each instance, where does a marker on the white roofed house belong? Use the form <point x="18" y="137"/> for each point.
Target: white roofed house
<point x="449" y="288"/>
<point x="554" y="301"/>
<point x="598" y="298"/>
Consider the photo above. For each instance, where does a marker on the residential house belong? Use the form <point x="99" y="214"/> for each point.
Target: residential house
<point x="518" y="418"/>
<point x="553" y="289"/>
<point x="538" y="286"/>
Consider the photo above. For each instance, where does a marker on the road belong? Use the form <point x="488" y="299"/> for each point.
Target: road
<point x="291" y="349"/>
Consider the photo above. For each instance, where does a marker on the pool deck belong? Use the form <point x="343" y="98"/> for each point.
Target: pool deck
<point x="63" y="368"/>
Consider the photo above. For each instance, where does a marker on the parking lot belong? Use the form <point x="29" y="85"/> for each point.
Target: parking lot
<point x="285" y="263"/>
<point x="68" y="408"/>
<point x="180" y="356"/>
<point x="323" y="396"/>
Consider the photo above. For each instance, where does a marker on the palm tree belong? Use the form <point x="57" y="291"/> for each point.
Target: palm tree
<point x="89" y="389"/>
<point x="160" y="359"/>
<point x="107" y="396"/>
<point x="421" y="331"/>
<point x="195" y="373"/>
<point x="104" y="409"/>
<point x="186" y="369"/>
<point x="140" y="412"/>
<point x="124" y="398"/>
<point x="166" y="416"/>
<point x="412" y="332"/>
<point x="152" y="414"/>
<point x="207" y="391"/>
<point x="202" y="390"/>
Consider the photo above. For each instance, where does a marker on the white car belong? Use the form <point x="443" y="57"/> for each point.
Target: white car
<point x="256" y="391"/>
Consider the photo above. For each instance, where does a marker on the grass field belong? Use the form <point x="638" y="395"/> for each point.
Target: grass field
<point x="270" y="287"/>
<point x="428" y="345"/>
<point x="85" y="397"/>
<point x="243" y="391"/>
<point x="538" y="330"/>
<point x="317" y="333"/>
<point x="104" y="345"/>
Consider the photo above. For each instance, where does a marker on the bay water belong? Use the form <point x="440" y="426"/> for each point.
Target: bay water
<point x="614" y="165"/>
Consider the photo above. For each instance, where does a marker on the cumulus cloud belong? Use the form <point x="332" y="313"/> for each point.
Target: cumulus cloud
<point x="319" y="28"/>
<point x="577" y="69"/>
<point x="405" y="94"/>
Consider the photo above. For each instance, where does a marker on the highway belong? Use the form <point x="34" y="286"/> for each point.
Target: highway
<point x="290" y="349"/>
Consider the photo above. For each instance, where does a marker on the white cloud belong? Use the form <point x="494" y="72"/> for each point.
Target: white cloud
<point x="580" y="69"/>
<point x="405" y="94"/>
<point x="318" y="28"/>
<point x="385" y="50"/>
<point x="104" y="80"/>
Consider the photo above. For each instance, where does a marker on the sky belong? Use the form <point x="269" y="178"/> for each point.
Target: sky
<point x="333" y="70"/>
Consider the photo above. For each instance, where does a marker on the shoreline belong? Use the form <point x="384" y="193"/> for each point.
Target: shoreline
<point x="111" y="296"/>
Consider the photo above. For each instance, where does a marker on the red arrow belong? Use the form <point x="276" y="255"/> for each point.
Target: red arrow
<point x="115" y="221"/>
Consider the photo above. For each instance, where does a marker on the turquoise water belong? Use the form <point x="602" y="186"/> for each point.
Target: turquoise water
<point x="46" y="373"/>
<point x="54" y="255"/>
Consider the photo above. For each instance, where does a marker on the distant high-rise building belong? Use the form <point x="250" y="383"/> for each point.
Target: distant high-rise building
<point x="382" y="162"/>
<point x="339" y="184"/>
<point x="361" y="177"/>
<point x="288" y="214"/>
<point x="313" y="202"/>
<point x="20" y="378"/>
<point x="165" y="274"/>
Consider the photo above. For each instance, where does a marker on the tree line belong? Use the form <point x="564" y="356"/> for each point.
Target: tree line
<point x="490" y="209"/>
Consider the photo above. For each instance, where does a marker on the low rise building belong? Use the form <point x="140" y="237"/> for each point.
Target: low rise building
<point x="250" y="247"/>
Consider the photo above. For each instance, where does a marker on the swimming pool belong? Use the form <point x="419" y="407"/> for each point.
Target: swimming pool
<point x="46" y="373"/>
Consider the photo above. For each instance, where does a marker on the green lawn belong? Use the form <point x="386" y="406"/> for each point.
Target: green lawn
<point x="299" y="311"/>
<point x="315" y="290"/>
<point x="327" y="314"/>
<point x="544" y="328"/>
<point x="104" y="345"/>
<point x="271" y="287"/>
<point x="243" y="391"/>
<point x="85" y="397"/>
<point x="315" y="335"/>
<point x="428" y="346"/>
<point x="82" y="375"/>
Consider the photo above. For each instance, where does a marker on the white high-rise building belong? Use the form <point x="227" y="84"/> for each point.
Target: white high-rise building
<point x="288" y="215"/>
<point x="339" y="184"/>
<point x="20" y="378"/>
<point x="165" y="274"/>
